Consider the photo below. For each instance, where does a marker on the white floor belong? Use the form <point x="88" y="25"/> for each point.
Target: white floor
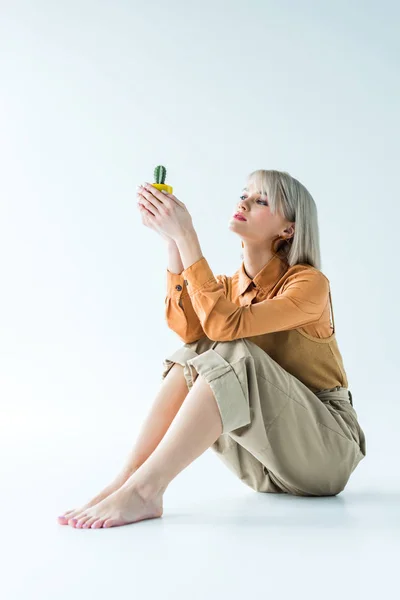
<point x="217" y="538"/>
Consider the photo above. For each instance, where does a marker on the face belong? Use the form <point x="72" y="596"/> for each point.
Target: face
<point x="260" y="225"/>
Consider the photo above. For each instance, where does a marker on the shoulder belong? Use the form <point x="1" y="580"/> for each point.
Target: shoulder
<point x="305" y="279"/>
<point x="306" y="270"/>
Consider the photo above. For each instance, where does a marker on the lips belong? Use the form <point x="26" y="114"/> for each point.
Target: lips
<point x="239" y="216"/>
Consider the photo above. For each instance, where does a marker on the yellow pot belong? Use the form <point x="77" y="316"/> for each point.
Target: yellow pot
<point x="163" y="186"/>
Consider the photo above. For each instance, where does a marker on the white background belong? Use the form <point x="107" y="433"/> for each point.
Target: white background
<point x="94" y="95"/>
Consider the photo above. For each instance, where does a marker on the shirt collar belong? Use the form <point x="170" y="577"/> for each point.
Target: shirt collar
<point x="266" y="278"/>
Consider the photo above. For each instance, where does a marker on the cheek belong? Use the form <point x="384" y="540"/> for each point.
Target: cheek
<point x="263" y="220"/>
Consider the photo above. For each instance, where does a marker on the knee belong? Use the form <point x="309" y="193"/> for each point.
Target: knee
<point x="227" y="348"/>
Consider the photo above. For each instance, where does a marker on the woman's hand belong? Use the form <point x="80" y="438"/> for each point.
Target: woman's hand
<point x="144" y="213"/>
<point x="164" y="213"/>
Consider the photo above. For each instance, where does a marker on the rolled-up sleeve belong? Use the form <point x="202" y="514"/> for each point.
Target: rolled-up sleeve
<point x="301" y="300"/>
<point x="179" y="312"/>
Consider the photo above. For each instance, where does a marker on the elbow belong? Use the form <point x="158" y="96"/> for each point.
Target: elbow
<point x="218" y="332"/>
<point x="187" y="337"/>
<point x="214" y="335"/>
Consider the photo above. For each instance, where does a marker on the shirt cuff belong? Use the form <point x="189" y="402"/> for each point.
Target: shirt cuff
<point x="176" y="285"/>
<point x="197" y="275"/>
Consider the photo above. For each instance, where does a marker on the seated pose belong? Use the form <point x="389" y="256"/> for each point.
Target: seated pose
<point x="259" y="378"/>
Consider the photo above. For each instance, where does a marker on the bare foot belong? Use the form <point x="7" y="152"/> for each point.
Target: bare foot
<point x="110" y="489"/>
<point x="125" y="505"/>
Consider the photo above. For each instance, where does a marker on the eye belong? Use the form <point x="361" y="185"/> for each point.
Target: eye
<point x="262" y="201"/>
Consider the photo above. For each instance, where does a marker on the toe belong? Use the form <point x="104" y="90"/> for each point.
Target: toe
<point x="89" y="522"/>
<point x="97" y="524"/>
<point x="110" y="523"/>
<point x="72" y="521"/>
<point x="81" y="520"/>
<point x="84" y="521"/>
<point x="74" y="514"/>
<point x="63" y="518"/>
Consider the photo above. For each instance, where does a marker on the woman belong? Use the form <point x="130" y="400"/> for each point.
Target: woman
<point x="259" y="378"/>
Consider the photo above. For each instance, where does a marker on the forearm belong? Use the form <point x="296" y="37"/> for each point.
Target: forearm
<point x="175" y="264"/>
<point x="189" y="248"/>
<point x="179" y="312"/>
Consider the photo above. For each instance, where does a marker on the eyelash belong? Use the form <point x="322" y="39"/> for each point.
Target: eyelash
<point x="263" y="201"/>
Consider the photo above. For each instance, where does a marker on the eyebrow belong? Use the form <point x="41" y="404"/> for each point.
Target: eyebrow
<point x="246" y="190"/>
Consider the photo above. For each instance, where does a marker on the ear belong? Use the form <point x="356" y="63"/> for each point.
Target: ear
<point x="290" y="230"/>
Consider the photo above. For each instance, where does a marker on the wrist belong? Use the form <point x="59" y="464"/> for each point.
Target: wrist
<point x="186" y="235"/>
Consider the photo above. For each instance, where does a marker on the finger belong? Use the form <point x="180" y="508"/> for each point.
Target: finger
<point x="160" y="194"/>
<point x="151" y="199"/>
<point x="149" y="207"/>
<point x="145" y="210"/>
<point x="141" y="204"/>
<point x="174" y="198"/>
<point x="145" y="198"/>
<point x="153" y="190"/>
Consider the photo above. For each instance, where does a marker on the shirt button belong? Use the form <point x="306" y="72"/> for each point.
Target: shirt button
<point x="178" y="287"/>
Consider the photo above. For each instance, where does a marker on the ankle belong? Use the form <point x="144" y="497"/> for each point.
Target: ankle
<point x="122" y="478"/>
<point x="147" y="487"/>
<point x="147" y="491"/>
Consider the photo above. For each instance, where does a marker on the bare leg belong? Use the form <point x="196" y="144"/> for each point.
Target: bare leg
<point x="196" y="427"/>
<point x="168" y="401"/>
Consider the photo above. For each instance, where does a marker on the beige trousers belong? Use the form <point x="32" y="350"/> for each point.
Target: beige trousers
<point x="278" y="436"/>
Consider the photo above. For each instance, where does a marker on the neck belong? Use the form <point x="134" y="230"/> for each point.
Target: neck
<point x="255" y="258"/>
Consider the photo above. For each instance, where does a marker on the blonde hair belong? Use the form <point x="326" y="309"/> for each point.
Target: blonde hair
<point x="294" y="202"/>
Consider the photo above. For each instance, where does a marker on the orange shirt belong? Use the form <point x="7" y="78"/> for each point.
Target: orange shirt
<point x="284" y="310"/>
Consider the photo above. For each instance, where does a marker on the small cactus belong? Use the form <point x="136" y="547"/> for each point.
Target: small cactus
<point x="160" y="174"/>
